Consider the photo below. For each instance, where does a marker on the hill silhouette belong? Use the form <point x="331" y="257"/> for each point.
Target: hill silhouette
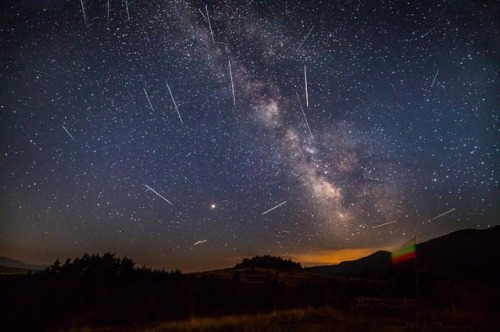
<point x="269" y="262"/>
<point x="12" y="265"/>
<point x="376" y="265"/>
<point x="462" y="253"/>
<point x="458" y="254"/>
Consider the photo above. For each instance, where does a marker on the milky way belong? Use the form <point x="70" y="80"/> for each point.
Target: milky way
<point x="164" y="130"/>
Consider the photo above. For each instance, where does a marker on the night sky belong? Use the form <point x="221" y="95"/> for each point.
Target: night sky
<point x="183" y="134"/>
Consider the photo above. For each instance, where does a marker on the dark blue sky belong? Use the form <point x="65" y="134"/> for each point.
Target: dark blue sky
<point x="402" y="103"/>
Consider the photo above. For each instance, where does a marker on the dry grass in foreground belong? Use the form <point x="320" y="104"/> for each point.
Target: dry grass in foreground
<point x="322" y="319"/>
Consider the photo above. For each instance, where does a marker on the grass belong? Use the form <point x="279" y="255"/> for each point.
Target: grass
<point x="321" y="319"/>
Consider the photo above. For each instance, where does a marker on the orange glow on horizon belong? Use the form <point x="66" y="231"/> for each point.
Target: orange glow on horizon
<point x="330" y="257"/>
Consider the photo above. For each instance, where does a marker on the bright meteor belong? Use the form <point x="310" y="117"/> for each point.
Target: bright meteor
<point x="166" y="200"/>
<point x="277" y="206"/>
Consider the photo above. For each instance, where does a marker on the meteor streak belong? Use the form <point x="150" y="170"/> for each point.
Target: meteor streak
<point x="178" y="113"/>
<point x="434" y="80"/>
<point x="298" y="48"/>
<point x="305" y="83"/>
<point x="66" y="130"/>
<point x="210" y="25"/>
<point x="149" y="100"/>
<point x="232" y="84"/>
<point x="84" y="16"/>
<point x="277" y="206"/>
<point x="442" y="214"/>
<point x="126" y="6"/>
<point x="202" y="14"/>
<point x="166" y="200"/>
<point x="428" y="32"/>
<point x="385" y="224"/>
<point x="304" y="113"/>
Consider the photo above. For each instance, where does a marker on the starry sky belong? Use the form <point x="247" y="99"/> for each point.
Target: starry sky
<point x="190" y="134"/>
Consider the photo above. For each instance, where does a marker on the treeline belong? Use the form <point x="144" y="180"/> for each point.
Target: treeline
<point x="269" y="262"/>
<point x="92" y="265"/>
<point x="96" y="291"/>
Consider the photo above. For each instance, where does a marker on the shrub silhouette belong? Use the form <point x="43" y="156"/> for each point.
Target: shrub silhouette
<point x="269" y="262"/>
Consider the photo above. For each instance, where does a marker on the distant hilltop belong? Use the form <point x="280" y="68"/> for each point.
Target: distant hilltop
<point x="12" y="266"/>
<point x="269" y="262"/>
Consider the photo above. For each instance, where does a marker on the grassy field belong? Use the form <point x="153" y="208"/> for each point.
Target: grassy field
<point x="325" y="319"/>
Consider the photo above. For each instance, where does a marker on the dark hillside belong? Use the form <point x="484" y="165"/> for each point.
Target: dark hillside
<point x="376" y="265"/>
<point x="461" y="270"/>
<point x="462" y="253"/>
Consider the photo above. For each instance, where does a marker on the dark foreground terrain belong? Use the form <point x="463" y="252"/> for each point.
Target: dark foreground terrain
<point x="321" y="319"/>
<point x="458" y="290"/>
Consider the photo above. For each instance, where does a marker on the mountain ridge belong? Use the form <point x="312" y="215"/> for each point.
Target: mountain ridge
<point x="7" y="262"/>
<point x="457" y="252"/>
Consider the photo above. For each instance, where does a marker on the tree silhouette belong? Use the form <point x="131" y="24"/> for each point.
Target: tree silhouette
<point x="269" y="262"/>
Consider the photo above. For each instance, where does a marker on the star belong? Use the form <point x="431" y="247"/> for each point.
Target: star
<point x="160" y="119"/>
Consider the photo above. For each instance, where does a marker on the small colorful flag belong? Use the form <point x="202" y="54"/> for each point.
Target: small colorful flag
<point x="405" y="253"/>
